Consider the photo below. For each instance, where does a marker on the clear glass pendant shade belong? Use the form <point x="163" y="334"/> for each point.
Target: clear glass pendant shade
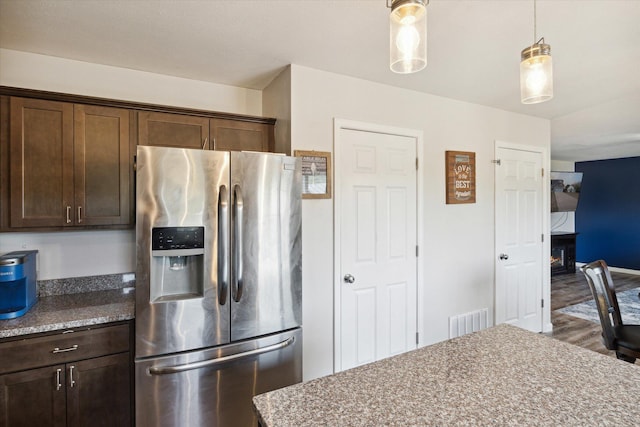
<point x="408" y="36"/>
<point x="536" y="74"/>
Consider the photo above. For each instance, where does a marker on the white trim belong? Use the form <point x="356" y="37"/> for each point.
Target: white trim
<point x="339" y="124"/>
<point x="546" y="325"/>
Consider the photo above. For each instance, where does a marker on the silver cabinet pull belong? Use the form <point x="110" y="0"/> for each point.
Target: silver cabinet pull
<point x="79" y="214"/>
<point x="58" y="383"/>
<point x="68" y="214"/>
<point x="72" y="382"/>
<point x="64" y="350"/>
<point x="348" y="278"/>
<point x="204" y="143"/>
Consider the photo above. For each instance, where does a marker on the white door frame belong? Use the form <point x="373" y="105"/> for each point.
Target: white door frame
<point x="546" y="248"/>
<point x="339" y="124"/>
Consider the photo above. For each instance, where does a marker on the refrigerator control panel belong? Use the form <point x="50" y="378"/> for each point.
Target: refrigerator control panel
<point x="172" y="238"/>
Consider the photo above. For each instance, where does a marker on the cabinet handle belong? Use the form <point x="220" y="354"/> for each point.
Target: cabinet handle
<point x="71" y="380"/>
<point x="64" y="350"/>
<point x="68" y="214"/>
<point x="79" y="214"/>
<point x="214" y="144"/>
<point x="205" y="142"/>
<point x="58" y="383"/>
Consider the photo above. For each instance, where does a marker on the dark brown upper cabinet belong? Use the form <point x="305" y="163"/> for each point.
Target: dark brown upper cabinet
<point x="69" y="165"/>
<point x="233" y="135"/>
<point x="187" y="131"/>
<point x="173" y="130"/>
<point x="103" y="165"/>
<point x="67" y="161"/>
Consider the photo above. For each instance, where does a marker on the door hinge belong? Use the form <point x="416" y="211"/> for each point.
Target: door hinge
<point x="417" y="251"/>
<point x="497" y="162"/>
<point x="542" y="303"/>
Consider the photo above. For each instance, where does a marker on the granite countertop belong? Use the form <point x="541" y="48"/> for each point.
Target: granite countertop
<point x="499" y="376"/>
<point x="74" y="303"/>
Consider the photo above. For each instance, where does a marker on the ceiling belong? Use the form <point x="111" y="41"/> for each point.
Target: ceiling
<point x="473" y="51"/>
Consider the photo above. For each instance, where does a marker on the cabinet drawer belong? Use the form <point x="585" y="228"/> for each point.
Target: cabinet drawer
<point x="63" y="347"/>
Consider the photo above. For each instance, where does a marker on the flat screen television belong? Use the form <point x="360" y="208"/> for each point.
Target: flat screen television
<point x="565" y="191"/>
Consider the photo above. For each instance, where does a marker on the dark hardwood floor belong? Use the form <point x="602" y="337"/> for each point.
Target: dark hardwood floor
<point x="569" y="289"/>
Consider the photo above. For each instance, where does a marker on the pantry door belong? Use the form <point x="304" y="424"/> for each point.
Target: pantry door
<point x="519" y="239"/>
<point x="376" y="236"/>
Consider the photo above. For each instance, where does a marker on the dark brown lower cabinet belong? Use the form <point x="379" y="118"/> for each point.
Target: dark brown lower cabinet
<point x="31" y="398"/>
<point x="87" y="392"/>
<point x="99" y="392"/>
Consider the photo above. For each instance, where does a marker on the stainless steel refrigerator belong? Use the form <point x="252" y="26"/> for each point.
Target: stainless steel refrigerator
<point x="218" y="284"/>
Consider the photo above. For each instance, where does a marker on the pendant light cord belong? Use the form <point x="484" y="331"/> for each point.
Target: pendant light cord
<point x="534" y="21"/>
<point x="535" y="14"/>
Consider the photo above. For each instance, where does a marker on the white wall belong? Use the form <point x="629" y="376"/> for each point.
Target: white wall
<point x="459" y="239"/>
<point x="32" y="71"/>
<point x="76" y="253"/>
<point x="87" y="253"/>
<point x="562" y="221"/>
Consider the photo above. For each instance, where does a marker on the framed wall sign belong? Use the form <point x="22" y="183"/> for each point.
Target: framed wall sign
<point x="316" y="174"/>
<point x="460" y="168"/>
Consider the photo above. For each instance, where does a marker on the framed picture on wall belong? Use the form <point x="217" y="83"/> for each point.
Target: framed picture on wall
<point x="460" y="167"/>
<point x="316" y="174"/>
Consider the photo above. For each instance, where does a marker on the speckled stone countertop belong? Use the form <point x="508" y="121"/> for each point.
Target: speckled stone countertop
<point x="74" y="303"/>
<point x="501" y="376"/>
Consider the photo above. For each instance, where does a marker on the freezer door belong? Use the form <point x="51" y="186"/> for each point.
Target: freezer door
<point x="214" y="387"/>
<point x="266" y="273"/>
<point x="182" y="274"/>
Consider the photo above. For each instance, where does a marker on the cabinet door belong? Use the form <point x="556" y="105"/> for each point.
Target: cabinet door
<point x="33" y="398"/>
<point x="173" y="130"/>
<point x="41" y="159"/>
<point x="233" y="135"/>
<point x="99" y="392"/>
<point x="103" y="161"/>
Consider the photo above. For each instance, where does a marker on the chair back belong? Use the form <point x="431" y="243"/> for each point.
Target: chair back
<point x="604" y="293"/>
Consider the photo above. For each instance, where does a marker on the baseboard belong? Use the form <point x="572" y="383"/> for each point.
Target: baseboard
<point x="615" y="269"/>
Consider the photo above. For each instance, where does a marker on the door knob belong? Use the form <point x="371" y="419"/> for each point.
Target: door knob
<point x="348" y="278"/>
<point x="504" y="256"/>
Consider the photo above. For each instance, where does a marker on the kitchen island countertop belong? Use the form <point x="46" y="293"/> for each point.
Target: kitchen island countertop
<point x="75" y="310"/>
<point x="499" y="376"/>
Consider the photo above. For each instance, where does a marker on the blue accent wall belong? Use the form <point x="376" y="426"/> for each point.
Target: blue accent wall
<point x="608" y="213"/>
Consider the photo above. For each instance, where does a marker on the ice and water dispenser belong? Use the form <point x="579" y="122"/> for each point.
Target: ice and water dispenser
<point x="177" y="263"/>
<point x="18" y="288"/>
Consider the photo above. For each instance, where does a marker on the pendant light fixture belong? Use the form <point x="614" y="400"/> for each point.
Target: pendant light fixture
<point x="408" y="35"/>
<point x="536" y="70"/>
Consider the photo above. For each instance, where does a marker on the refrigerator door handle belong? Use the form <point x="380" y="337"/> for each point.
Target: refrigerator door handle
<point x="223" y="244"/>
<point x="238" y="205"/>
<point x="165" y="370"/>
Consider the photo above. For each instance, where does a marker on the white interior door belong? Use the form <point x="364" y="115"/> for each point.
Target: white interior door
<point x="378" y="237"/>
<point x="519" y="236"/>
